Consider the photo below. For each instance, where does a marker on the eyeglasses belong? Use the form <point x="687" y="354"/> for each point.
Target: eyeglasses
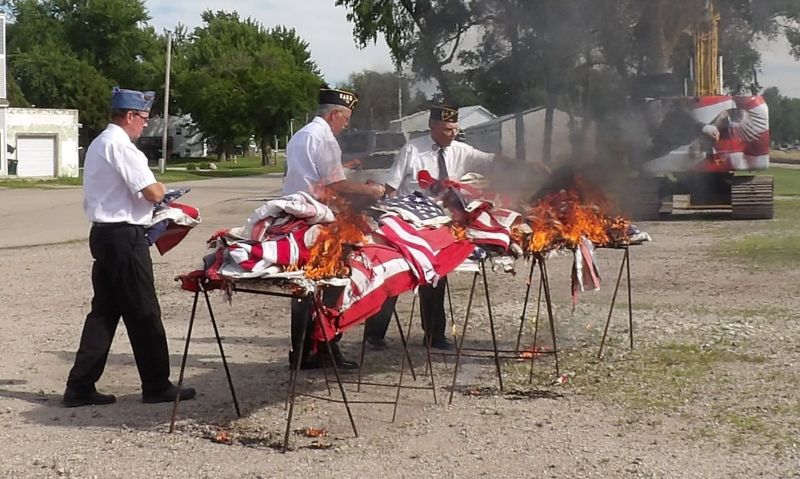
<point x="145" y="118"/>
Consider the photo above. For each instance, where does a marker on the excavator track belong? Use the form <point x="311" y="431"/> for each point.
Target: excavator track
<point x="752" y="198"/>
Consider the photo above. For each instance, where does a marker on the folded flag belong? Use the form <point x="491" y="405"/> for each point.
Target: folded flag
<point x="415" y="208"/>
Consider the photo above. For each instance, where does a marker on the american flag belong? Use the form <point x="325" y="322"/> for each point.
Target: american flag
<point x="416" y="209"/>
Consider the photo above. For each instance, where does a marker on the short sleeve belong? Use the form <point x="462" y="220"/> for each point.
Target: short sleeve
<point x="132" y="166"/>
<point x="399" y="166"/>
<point x="477" y="160"/>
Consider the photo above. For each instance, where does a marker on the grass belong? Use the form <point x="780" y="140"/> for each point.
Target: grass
<point x="775" y="243"/>
<point x="651" y="379"/>
<point x="787" y="181"/>
<point x="184" y="169"/>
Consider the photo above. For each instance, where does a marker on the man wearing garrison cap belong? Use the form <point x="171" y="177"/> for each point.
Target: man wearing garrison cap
<point x="313" y="161"/>
<point x="119" y="191"/>
<point x="444" y="158"/>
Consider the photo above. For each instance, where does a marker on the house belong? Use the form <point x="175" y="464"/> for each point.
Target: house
<point x="499" y="135"/>
<point x="183" y="138"/>
<point x="39" y="142"/>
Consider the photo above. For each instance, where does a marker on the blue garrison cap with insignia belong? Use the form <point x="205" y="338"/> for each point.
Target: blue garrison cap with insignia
<point x="122" y="99"/>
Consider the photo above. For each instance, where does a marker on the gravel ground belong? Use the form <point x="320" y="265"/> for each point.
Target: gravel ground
<point x="709" y="390"/>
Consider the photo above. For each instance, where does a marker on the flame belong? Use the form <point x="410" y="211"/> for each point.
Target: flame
<point x="328" y="254"/>
<point x="458" y="230"/>
<point x="562" y="218"/>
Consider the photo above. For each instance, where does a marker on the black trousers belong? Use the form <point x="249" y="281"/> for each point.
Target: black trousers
<point x="122" y="279"/>
<point x="302" y="309"/>
<point x="431" y="301"/>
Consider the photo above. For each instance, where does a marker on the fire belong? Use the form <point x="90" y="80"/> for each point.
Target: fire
<point x="459" y="231"/>
<point x="328" y="255"/>
<point x="562" y="218"/>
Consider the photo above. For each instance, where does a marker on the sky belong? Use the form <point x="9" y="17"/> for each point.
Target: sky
<point x="330" y="36"/>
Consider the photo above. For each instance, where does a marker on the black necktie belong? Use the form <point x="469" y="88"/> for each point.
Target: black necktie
<point x="442" y="166"/>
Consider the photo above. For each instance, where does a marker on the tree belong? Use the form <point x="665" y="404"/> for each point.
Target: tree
<point x="378" y="101"/>
<point x="241" y="80"/>
<point x="428" y="33"/>
<point x="68" y="54"/>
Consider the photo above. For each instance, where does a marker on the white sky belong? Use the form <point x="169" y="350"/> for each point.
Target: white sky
<point x="325" y="28"/>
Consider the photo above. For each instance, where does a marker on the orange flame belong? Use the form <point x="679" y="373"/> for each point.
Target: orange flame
<point x="566" y="216"/>
<point x="328" y="254"/>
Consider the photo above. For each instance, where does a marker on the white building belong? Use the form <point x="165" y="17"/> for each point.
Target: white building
<point x="35" y="142"/>
<point x="499" y="135"/>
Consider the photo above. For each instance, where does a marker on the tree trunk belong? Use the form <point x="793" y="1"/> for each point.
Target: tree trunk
<point x="265" y="149"/>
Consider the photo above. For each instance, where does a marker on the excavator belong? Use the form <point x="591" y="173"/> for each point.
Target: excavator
<point x="708" y="145"/>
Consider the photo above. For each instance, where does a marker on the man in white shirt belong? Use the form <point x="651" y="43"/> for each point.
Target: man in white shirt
<point x="119" y="193"/>
<point x="443" y="157"/>
<point x="314" y="162"/>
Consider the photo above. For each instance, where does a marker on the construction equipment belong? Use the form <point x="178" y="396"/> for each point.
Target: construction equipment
<point x="708" y="144"/>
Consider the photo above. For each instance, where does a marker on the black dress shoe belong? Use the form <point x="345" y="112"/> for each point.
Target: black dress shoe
<point x="377" y="343"/>
<point x="169" y="394"/>
<point x="74" y="398"/>
<point x="319" y="362"/>
<point x="438" y="343"/>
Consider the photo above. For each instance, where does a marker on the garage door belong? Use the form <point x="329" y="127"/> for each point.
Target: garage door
<point x="36" y="156"/>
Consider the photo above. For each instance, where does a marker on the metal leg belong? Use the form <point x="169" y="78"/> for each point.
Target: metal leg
<point x="461" y="339"/>
<point x="549" y="303"/>
<point x="405" y="356"/>
<point x="361" y="360"/>
<point x="627" y="260"/>
<point x="491" y="325"/>
<point x="428" y="351"/>
<point x="525" y="304"/>
<point x="183" y="362"/>
<point x="293" y="379"/>
<point x="536" y="327"/>
<point x="222" y="353"/>
<point x="318" y="317"/>
<point x="611" y="308"/>
<point x="404" y="339"/>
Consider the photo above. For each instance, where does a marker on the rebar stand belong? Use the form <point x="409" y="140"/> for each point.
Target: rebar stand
<point x="625" y="264"/>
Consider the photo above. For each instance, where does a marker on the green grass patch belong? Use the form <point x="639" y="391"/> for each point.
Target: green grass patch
<point x="191" y="169"/>
<point x="650" y="379"/>
<point x="787" y="180"/>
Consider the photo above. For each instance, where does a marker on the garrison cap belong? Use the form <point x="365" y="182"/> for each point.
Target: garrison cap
<point x="122" y="99"/>
<point x="333" y="96"/>
<point x="444" y="113"/>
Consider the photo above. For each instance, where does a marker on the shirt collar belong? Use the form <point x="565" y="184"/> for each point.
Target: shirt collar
<point x="320" y="121"/>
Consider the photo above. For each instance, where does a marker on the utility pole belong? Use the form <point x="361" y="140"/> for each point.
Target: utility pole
<point x="165" y="136"/>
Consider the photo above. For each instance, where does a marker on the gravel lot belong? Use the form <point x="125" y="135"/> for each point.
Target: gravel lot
<point x="709" y="390"/>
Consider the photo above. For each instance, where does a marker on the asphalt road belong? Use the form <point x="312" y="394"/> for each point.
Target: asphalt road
<point x="37" y="216"/>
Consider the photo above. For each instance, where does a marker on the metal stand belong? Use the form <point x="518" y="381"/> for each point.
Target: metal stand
<point x="497" y="353"/>
<point x="186" y="353"/>
<point x="625" y="264"/>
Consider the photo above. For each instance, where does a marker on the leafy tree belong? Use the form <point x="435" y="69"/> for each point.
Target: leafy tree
<point x="241" y="80"/>
<point x="427" y="33"/>
<point x="378" y="101"/>
<point x="68" y="53"/>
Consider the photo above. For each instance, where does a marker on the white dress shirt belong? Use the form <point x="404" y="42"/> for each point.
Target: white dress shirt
<point x="114" y="173"/>
<point x="423" y="154"/>
<point x="313" y="157"/>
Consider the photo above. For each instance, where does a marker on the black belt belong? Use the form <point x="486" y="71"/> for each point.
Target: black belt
<point x="97" y="224"/>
